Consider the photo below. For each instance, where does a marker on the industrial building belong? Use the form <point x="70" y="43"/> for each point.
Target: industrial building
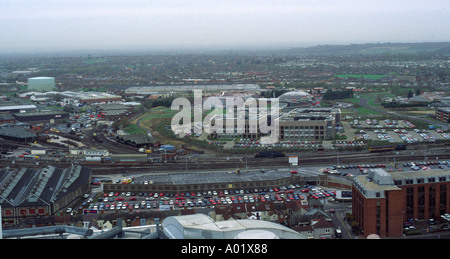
<point x="14" y="107"/>
<point x="382" y="201"/>
<point x="43" y="84"/>
<point x="16" y="132"/>
<point x="89" y="97"/>
<point x="43" y="116"/>
<point x="27" y="192"/>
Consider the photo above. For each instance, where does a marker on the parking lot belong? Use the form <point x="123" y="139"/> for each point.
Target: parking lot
<point x="353" y="170"/>
<point x="401" y="131"/>
<point x="127" y="202"/>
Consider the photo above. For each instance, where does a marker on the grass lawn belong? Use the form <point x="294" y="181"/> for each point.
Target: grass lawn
<point x="362" y="110"/>
<point x="373" y="77"/>
<point x="134" y="129"/>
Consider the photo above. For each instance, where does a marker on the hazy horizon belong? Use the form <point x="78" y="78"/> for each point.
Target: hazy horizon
<point x="39" y="26"/>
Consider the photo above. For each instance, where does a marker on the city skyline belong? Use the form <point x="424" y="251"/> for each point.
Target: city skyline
<point x="48" y="25"/>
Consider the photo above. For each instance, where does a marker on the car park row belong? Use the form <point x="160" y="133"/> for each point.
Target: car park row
<point x="354" y="170"/>
<point x="129" y="201"/>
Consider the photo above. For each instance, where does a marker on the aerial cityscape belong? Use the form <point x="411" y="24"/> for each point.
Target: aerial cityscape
<point x="255" y="139"/>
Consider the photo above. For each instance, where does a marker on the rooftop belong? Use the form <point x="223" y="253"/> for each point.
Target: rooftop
<point x="32" y="187"/>
<point x="216" y="177"/>
<point x="378" y="180"/>
<point x="201" y="226"/>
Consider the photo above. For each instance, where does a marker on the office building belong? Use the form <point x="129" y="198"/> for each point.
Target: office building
<point x="382" y="201"/>
<point x="443" y="114"/>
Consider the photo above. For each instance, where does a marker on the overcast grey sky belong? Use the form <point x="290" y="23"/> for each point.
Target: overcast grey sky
<point x="46" y="25"/>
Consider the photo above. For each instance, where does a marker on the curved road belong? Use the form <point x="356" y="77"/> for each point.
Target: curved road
<point x="364" y="102"/>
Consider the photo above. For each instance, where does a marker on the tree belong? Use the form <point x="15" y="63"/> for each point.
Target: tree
<point x="410" y="94"/>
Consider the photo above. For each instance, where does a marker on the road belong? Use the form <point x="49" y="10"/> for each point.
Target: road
<point x="338" y="217"/>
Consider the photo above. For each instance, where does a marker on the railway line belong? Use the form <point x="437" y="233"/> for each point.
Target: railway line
<point x="241" y="162"/>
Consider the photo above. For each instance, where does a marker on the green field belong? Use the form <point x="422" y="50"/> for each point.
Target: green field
<point x="134" y="129"/>
<point x="373" y="77"/>
<point x="365" y="111"/>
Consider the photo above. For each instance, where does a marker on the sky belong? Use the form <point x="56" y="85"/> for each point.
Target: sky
<point x="59" y="25"/>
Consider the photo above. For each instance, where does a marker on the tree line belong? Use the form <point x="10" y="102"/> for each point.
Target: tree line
<point x="337" y="94"/>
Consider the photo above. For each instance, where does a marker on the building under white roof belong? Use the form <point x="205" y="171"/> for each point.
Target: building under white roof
<point x="201" y="226"/>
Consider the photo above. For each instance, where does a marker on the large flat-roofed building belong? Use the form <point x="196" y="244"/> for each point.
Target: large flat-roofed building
<point x="90" y="97"/>
<point x="322" y="111"/>
<point x="382" y="201"/>
<point x="43" y="116"/>
<point x="297" y="124"/>
<point x="14" y="107"/>
<point x="27" y="192"/>
<point x="306" y="127"/>
<point x="17" y="132"/>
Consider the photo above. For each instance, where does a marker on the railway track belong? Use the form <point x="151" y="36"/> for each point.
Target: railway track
<point x="240" y="162"/>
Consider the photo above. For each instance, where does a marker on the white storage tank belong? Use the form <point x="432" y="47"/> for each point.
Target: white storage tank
<point x="41" y="83"/>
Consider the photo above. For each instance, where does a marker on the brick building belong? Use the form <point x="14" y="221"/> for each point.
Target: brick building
<point x="443" y="114"/>
<point x="382" y="201"/>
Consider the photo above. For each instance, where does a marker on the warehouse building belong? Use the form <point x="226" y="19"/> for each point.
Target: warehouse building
<point x="43" y="84"/>
<point x="27" y="192"/>
<point x="17" y="133"/>
<point x="14" y="107"/>
<point x="43" y="116"/>
<point x="382" y="201"/>
<point x="89" y="97"/>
